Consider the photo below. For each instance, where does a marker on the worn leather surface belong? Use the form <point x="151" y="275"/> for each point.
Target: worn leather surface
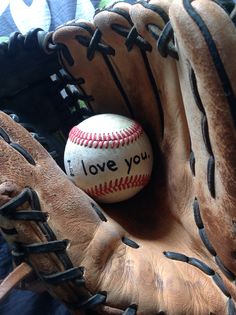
<point x="181" y="257"/>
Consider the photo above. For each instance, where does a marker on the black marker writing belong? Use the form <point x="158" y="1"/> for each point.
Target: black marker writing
<point x="94" y="169"/>
<point x="136" y="160"/>
<point x="70" y="168"/>
<point x="84" y="169"/>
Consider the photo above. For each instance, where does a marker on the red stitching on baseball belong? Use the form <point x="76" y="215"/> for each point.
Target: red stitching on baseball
<point x="118" y="185"/>
<point x="104" y="140"/>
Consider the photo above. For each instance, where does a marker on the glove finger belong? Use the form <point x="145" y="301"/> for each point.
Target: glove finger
<point x="207" y="80"/>
<point x="151" y="21"/>
<point x="33" y="212"/>
<point x="112" y="67"/>
<point x="131" y="65"/>
<point x="36" y="201"/>
<point x="81" y="54"/>
<point x="9" y="133"/>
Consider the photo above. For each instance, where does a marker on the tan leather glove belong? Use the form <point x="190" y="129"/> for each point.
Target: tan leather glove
<point x="171" y="248"/>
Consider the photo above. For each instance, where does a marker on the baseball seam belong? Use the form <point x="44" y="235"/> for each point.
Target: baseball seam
<point x="118" y="184"/>
<point x="106" y="140"/>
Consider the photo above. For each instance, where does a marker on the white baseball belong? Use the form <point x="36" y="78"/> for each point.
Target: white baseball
<point x="109" y="157"/>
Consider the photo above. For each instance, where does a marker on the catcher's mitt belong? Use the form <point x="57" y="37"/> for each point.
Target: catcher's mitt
<point x="172" y="248"/>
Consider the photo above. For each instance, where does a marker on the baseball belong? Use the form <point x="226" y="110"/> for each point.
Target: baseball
<point x="109" y="157"/>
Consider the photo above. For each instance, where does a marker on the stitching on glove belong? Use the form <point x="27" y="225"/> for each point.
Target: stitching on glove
<point x="201" y="266"/>
<point x="132" y="310"/>
<point x="96" y="44"/>
<point x="93" y="44"/>
<point x="226" y="271"/>
<point x="157" y="9"/>
<point x="67" y="275"/>
<point x="211" y="175"/>
<point x="20" y="251"/>
<point x="155" y="90"/>
<point x="205" y="134"/>
<point x="4" y="135"/>
<point x="163" y="36"/>
<point x="99" y="212"/>
<point x="165" y="45"/>
<point x="192" y="162"/>
<point x="10" y="207"/>
<point x="29" y="216"/>
<point x="218" y="281"/>
<point x="51" y="246"/>
<point x="104" y="50"/>
<point x="190" y="260"/>
<point x="120" y="11"/>
<point x="23" y="152"/>
<point x="125" y="240"/>
<point x="129" y="242"/>
<point x="219" y="65"/>
<point x="66" y="54"/>
<point x="132" y="37"/>
<point x="97" y="299"/>
<point x="100" y="298"/>
<point x="193" y="83"/>
<point x="17" y="147"/>
<point x="9" y="210"/>
<point x="206" y="242"/>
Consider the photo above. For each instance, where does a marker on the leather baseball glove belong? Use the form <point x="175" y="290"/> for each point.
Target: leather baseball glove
<point x="171" y="249"/>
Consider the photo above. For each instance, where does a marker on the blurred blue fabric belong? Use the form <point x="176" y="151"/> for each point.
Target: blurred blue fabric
<point x="23" y="15"/>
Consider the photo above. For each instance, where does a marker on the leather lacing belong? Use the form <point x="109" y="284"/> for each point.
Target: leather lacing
<point x="166" y="47"/>
<point x="211" y="161"/>
<point x="34" y="133"/>
<point x="21" y="252"/>
<point x="196" y="207"/>
<point x="94" y="44"/>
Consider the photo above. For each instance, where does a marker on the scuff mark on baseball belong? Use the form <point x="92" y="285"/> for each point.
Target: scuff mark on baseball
<point x="109" y="157"/>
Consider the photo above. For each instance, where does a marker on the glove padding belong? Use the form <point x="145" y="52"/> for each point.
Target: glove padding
<point x="171" y="248"/>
